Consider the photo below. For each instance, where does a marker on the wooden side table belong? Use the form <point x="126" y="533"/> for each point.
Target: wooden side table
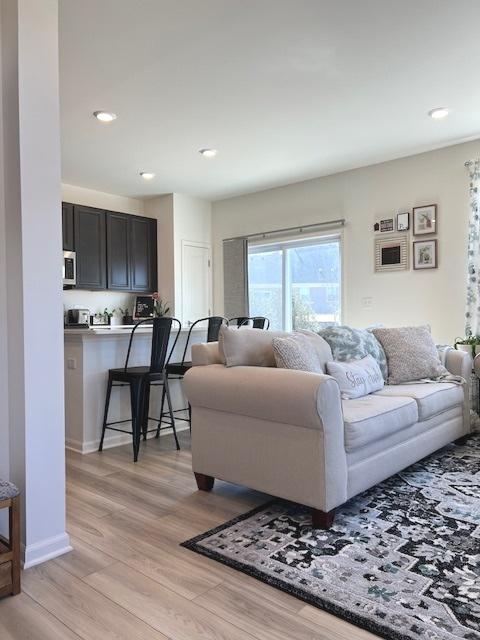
<point x="10" y="548"/>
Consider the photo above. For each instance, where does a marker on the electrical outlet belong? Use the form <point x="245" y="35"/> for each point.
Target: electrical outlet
<point x="367" y="303"/>
<point x="71" y="363"/>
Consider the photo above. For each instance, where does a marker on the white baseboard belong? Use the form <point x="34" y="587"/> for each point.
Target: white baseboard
<point x="112" y="441"/>
<point x="48" y="549"/>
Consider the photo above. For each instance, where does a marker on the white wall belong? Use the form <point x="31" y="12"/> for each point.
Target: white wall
<point x="4" y="422"/>
<point x="96" y="301"/>
<point x="193" y="223"/>
<point x="360" y="196"/>
<point x="31" y="273"/>
<point x="161" y="208"/>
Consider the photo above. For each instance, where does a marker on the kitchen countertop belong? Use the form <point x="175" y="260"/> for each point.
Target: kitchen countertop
<point x="118" y="330"/>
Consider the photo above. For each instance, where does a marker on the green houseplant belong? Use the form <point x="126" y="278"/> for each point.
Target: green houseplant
<point x="127" y="318"/>
<point x="162" y="307"/>
<point x="471" y="344"/>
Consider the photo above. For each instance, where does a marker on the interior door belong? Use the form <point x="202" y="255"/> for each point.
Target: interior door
<point x="196" y="282"/>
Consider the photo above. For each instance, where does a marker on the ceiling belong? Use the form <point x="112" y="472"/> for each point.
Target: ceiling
<point x="286" y="90"/>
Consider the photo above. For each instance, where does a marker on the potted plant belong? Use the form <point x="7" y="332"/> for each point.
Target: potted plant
<point x="470" y="344"/>
<point x="161" y="307"/>
<point x="127" y="318"/>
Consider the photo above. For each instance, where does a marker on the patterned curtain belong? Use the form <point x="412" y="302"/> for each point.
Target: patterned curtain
<point x="472" y="312"/>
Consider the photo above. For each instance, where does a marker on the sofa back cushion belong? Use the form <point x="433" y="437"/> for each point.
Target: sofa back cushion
<point x="353" y="344"/>
<point x="304" y="351"/>
<point x="357" y="378"/>
<point x="247" y="347"/>
<point x="411" y="353"/>
<point x="254" y="347"/>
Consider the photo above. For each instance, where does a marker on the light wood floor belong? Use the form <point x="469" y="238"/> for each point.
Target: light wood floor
<point x="128" y="578"/>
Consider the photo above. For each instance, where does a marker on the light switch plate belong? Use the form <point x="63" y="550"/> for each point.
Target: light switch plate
<point x="367" y="303"/>
<point x="71" y="363"/>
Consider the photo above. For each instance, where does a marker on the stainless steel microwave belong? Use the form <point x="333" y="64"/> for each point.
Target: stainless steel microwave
<point x="69" y="268"/>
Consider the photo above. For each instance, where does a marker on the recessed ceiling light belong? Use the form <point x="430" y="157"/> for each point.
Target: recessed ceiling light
<point x="208" y="153"/>
<point x="438" y="113"/>
<point x="147" y="175"/>
<point x="105" y="116"/>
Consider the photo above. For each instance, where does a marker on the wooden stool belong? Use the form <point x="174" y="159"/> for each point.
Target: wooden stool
<point x="10" y="549"/>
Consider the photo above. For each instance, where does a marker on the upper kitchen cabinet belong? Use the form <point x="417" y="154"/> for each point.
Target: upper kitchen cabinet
<point x="118" y="251"/>
<point x="90" y="247"/>
<point x="131" y="253"/>
<point x="143" y="246"/>
<point x="67" y="227"/>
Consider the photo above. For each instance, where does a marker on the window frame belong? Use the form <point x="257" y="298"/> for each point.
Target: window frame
<point x="262" y="245"/>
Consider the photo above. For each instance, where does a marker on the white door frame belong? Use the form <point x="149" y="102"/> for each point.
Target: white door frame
<point x="201" y="245"/>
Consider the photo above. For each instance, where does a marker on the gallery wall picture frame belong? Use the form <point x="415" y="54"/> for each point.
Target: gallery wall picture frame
<point x="391" y="254"/>
<point x="425" y="220"/>
<point x="425" y="254"/>
<point x="403" y="221"/>
<point x="384" y="225"/>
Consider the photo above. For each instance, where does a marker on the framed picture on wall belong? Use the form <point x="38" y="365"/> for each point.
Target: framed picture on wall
<point x="403" y="221"/>
<point x="425" y="254"/>
<point x="391" y="254"/>
<point x="425" y="220"/>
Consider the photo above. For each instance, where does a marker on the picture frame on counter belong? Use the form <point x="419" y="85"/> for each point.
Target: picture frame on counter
<point x="425" y="254"/>
<point x="425" y="220"/>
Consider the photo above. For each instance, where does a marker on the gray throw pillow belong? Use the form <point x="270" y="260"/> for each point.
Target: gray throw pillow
<point x="411" y="354"/>
<point x="295" y="352"/>
<point x="353" y="344"/>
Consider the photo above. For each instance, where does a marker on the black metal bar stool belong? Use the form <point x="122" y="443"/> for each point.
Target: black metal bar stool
<point x="139" y="379"/>
<point x="258" y="322"/>
<point x="179" y="369"/>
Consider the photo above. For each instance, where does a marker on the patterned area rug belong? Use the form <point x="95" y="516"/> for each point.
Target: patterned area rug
<point x="402" y="559"/>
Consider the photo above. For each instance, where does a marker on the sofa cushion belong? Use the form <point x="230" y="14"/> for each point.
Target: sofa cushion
<point x="302" y="350"/>
<point x="352" y="344"/>
<point x="247" y="347"/>
<point x="254" y="348"/>
<point x="431" y="398"/>
<point x="295" y="352"/>
<point x="357" y="378"/>
<point x="374" y="417"/>
<point x="411" y="353"/>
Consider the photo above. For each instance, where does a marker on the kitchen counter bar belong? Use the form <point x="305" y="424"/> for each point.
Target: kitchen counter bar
<point x="89" y="354"/>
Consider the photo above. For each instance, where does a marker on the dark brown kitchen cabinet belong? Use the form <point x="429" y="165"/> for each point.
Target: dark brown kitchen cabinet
<point x="118" y="251"/>
<point x="67" y="227"/>
<point x="90" y="247"/>
<point x="143" y="245"/>
<point x="131" y="253"/>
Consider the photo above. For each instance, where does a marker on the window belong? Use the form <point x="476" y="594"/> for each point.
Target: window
<point x="296" y="284"/>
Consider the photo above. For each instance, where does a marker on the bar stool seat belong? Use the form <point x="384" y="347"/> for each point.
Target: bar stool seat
<point x="10" y="548"/>
<point x="122" y="374"/>
<point x="8" y="490"/>
<point x="178" y="368"/>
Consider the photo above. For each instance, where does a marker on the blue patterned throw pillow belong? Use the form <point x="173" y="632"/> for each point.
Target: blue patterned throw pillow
<point x="347" y="343"/>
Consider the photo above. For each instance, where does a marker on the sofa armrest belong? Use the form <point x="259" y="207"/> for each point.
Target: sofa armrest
<point x="275" y="430"/>
<point x="459" y="363"/>
<point x="280" y="395"/>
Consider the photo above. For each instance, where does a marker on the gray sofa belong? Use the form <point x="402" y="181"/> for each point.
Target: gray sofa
<point x="288" y="433"/>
